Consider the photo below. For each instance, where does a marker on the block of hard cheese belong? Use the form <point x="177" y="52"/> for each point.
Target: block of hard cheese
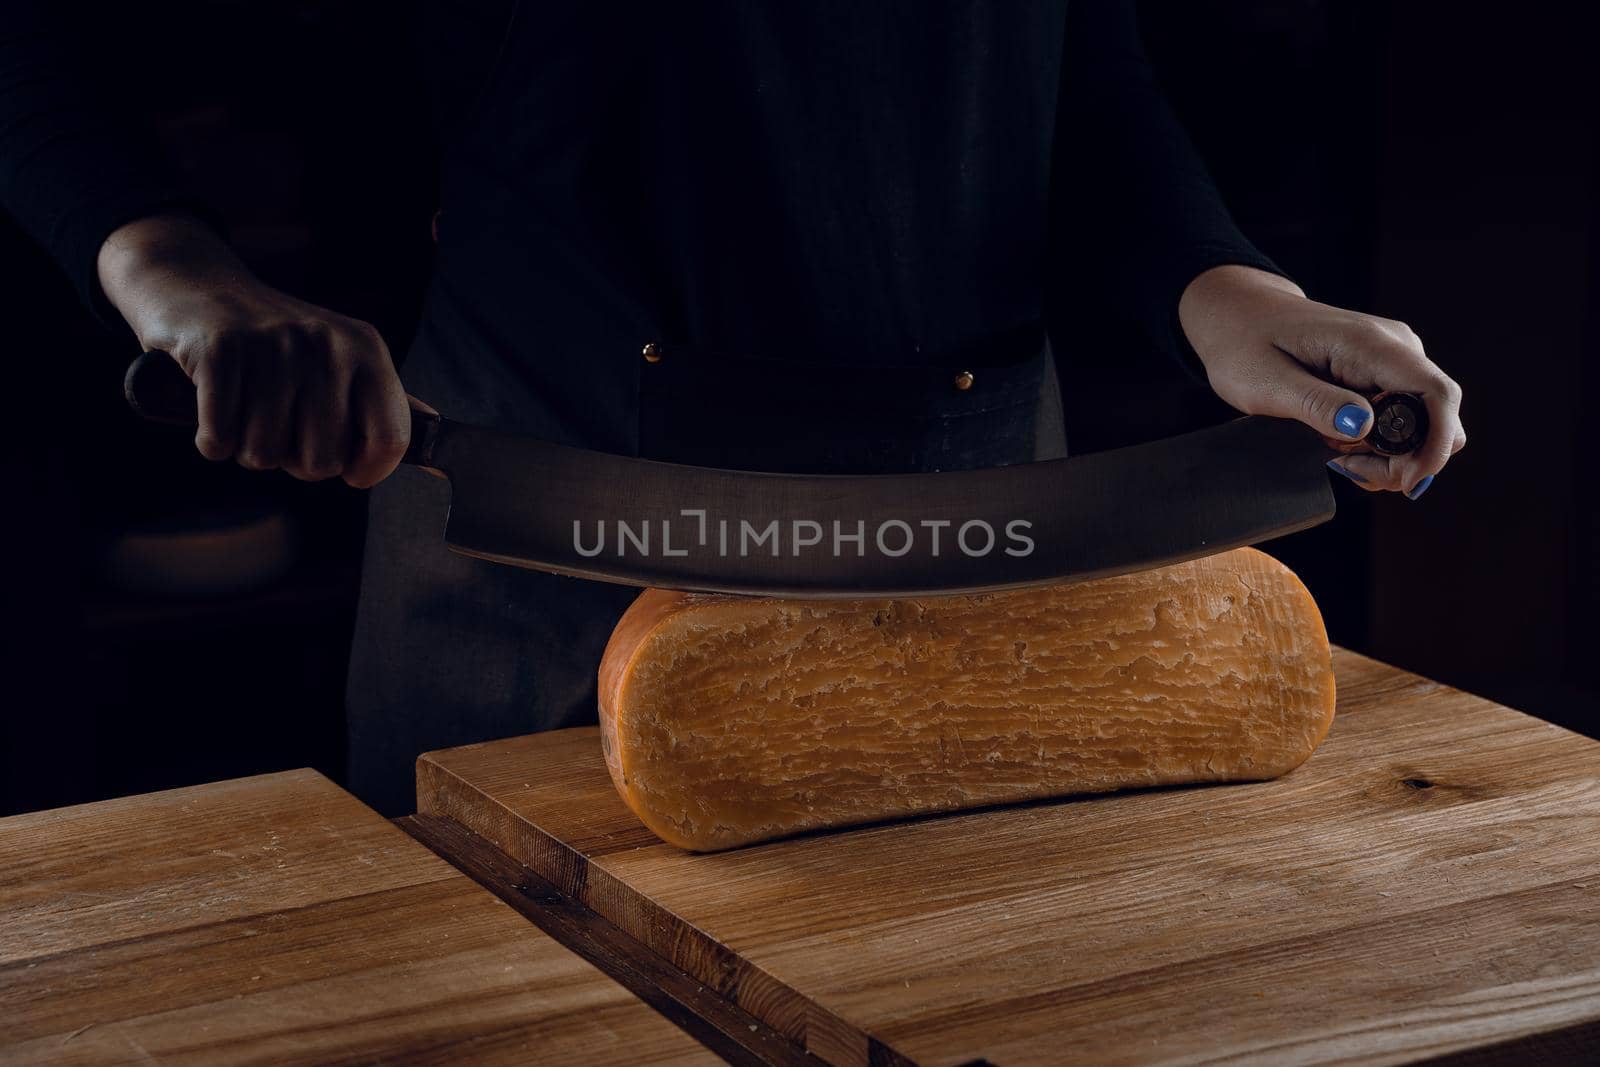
<point x="729" y="720"/>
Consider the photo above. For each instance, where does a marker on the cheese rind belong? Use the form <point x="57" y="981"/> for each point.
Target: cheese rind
<point x="730" y="720"/>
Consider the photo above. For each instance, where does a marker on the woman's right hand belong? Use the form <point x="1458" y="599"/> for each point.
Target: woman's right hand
<point x="280" y="383"/>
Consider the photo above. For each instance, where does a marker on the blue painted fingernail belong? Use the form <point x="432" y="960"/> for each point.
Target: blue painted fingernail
<point x="1350" y="419"/>
<point x="1420" y="488"/>
<point x="1334" y="466"/>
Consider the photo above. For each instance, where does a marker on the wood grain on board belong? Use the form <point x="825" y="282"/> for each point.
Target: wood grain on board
<point x="278" y="920"/>
<point x="1427" y="884"/>
<point x="719" y="1023"/>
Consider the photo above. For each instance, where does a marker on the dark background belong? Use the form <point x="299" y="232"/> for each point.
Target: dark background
<point x="1424" y="162"/>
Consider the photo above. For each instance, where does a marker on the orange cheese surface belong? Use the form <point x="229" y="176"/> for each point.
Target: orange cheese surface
<point x="731" y="720"/>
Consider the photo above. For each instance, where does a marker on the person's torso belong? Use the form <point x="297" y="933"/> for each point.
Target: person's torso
<point x="841" y="184"/>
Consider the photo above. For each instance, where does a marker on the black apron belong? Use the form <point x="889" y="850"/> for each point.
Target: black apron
<point x="561" y="255"/>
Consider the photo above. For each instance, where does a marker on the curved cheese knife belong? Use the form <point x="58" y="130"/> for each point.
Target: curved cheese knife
<point x="530" y="503"/>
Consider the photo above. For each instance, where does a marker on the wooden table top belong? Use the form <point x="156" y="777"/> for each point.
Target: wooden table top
<point x="278" y="920"/>
<point x="1427" y="884"/>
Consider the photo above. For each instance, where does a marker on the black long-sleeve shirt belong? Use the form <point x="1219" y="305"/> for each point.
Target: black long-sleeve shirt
<point x="74" y="161"/>
<point x="883" y="182"/>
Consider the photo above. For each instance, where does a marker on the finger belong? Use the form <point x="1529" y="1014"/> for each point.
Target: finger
<point x="216" y="387"/>
<point x="322" y="432"/>
<point x="381" y="417"/>
<point x="1274" y="383"/>
<point x="1363" y="352"/>
<point x="1376" y="473"/>
<point x="1370" y="471"/>
<point x="268" y="410"/>
<point x="1443" y="400"/>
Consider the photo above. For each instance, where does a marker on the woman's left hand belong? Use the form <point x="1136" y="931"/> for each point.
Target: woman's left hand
<point x="1268" y="350"/>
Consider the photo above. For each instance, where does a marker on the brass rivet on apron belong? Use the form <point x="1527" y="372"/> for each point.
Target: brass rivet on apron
<point x="964" y="380"/>
<point x="652" y="353"/>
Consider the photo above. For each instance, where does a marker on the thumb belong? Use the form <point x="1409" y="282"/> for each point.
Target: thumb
<point x="1293" y="392"/>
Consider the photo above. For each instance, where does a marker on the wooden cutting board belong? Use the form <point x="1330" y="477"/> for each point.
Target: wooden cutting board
<point x="1428" y="883"/>
<point x="278" y="920"/>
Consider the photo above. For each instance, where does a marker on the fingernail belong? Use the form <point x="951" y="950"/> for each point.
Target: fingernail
<point x="1333" y="465"/>
<point x="1420" y="488"/>
<point x="1350" y="419"/>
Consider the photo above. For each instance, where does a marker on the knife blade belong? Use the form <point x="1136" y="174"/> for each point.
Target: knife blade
<point x="551" y="507"/>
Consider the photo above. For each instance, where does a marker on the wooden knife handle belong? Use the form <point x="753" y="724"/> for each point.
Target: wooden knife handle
<point x="158" y="390"/>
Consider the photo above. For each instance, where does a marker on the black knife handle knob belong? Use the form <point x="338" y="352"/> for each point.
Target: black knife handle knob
<point x="158" y="390"/>
<point x="1399" y="423"/>
<point x="1399" y="426"/>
